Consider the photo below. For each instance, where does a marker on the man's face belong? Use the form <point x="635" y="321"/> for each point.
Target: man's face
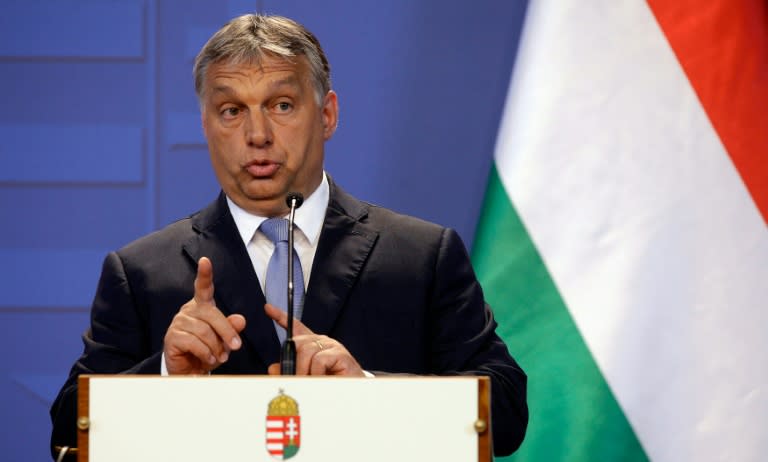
<point x="266" y="131"/>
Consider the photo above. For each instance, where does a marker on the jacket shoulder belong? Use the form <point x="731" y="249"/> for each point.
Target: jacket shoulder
<point x="400" y="224"/>
<point x="170" y="239"/>
<point x="385" y="221"/>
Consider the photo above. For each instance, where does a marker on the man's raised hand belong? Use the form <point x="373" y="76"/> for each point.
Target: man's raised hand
<point x="200" y="337"/>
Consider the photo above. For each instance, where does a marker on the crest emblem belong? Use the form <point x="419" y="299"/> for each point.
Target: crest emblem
<point x="283" y="427"/>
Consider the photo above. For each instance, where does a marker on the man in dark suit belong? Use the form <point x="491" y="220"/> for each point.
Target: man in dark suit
<point x="385" y="293"/>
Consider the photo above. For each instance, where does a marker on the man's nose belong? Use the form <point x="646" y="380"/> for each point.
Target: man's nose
<point x="258" y="130"/>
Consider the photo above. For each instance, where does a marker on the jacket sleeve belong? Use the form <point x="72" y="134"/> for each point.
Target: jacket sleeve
<point x="115" y="343"/>
<point x="464" y="342"/>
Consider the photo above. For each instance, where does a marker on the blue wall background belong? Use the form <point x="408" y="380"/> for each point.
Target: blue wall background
<point x="100" y="143"/>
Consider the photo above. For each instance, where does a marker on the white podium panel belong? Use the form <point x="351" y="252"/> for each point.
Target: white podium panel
<point x="260" y="418"/>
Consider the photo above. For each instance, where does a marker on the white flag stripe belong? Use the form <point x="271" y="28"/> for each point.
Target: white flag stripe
<point x="648" y="231"/>
<point x="275" y="447"/>
<point x="274" y="424"/>
<point x="275" y="435"/>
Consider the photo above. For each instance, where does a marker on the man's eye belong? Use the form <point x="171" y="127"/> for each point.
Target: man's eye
<point x="231" y="112"/>
<point x="283" y="106"/>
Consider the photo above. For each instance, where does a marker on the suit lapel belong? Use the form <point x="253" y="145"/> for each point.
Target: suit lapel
<point x="344" y="246"/>
<point x="236" y="287"/>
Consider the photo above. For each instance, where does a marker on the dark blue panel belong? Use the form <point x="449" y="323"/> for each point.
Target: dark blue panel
<point x="183" y="129"/>
<point x="26" y="438"/>
<point x="70" y="217"/>
<point x="177" y="199"/>
<point x="49" y="278"/>
<point x="47" y="343"/>
<point x="73" y="92"/>
<point x="42" y="347"/>
<point x="72" y="28"/>
<point x="71" y="153"/>
<point x="238" y="7"/>
<point x="194" y="39"/>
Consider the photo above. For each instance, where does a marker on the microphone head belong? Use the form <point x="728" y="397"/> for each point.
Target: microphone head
<point x="298" y="197"/>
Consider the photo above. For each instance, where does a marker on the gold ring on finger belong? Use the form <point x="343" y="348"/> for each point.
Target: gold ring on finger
<point x="320" y="345"/>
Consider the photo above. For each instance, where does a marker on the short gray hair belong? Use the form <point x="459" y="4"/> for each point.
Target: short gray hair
<point x="250" y="37"/>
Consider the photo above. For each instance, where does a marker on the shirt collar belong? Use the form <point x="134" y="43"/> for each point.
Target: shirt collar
<point x="309" y="217"/>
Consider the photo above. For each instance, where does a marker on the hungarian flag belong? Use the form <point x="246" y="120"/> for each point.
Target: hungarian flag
<point x="623" y="242"/>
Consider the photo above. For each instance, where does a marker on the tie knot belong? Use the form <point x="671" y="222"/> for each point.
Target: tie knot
<point x="276" y="229"/>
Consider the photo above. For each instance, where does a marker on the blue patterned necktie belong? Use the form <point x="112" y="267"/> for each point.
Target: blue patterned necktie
<point x="276" y="229"/>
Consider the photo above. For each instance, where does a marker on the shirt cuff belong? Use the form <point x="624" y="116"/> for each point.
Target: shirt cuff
<point x="163" y="367"/>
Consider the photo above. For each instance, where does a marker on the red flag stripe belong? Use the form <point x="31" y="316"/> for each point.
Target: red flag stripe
<point x="722" y="46"/>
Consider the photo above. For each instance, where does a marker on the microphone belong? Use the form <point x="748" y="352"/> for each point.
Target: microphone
<point x="288" y="354"/>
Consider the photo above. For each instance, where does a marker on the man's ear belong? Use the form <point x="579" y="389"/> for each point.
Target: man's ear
<point x="330" y="114"/>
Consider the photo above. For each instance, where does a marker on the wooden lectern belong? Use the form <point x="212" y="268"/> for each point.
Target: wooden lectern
<point x="265" y="418"/>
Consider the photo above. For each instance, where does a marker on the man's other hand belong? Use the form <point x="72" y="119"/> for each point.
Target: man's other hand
<point x="315" y="354"/>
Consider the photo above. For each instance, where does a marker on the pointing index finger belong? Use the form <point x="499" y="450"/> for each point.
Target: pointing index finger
<point x="204" y="281"/>
<point x="281" y="317"/>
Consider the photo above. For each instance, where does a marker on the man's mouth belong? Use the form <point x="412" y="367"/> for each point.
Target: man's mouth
<point x="262" y="169"/>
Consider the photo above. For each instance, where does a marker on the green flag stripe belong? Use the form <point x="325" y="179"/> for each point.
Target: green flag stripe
<point x="574" y="415"/>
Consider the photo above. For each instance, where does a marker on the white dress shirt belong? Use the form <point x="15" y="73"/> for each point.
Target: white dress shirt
<point x="308" y="224"/>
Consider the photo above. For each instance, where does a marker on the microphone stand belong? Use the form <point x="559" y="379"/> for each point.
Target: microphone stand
<point x="288" y="353"/>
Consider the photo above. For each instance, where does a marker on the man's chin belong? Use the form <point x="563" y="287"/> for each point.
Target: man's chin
<point x="263" y="189"/>
<point x="263" y="202"/>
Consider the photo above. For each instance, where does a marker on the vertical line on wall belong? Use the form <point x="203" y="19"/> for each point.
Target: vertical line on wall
<point x="151" y="121"/>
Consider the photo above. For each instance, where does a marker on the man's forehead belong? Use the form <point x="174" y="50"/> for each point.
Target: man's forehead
<point x="288" y="67"/>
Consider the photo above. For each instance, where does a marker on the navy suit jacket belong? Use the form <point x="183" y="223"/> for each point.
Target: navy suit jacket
<point x="399" y="293"/>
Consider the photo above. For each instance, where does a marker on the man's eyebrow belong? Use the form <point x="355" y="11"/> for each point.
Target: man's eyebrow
<point x="224" y="89"/>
